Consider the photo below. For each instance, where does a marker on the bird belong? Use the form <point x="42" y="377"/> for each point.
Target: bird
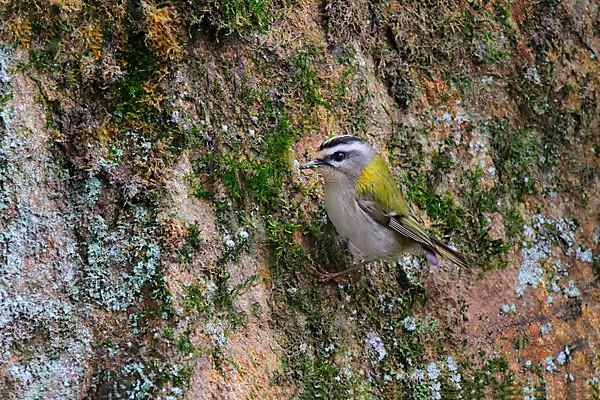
<point x="368" y="208"/>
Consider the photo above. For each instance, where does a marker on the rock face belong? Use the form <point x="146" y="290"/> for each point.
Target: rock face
<point x="157" y="238"/>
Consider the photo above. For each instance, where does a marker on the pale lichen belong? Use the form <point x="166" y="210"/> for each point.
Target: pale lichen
<point x="542" y="238"/>
<point x="45" y="340"/>
<point x="106" y="250"/>
<point x="375" y="344"/>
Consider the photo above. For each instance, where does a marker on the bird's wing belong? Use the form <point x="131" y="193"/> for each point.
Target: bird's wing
<point x="382" y="200"/>
<point x="403" y="224"/>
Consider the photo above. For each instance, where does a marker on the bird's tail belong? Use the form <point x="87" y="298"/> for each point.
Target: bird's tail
<point x="445" y="252"/>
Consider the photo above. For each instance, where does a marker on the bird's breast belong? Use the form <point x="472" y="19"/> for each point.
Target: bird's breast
<point x="368" y="238"/>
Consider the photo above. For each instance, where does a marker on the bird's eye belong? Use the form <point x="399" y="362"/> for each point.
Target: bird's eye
<point x="339" y="156"/>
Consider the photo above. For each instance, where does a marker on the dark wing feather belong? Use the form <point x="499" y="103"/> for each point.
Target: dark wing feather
<point x="404" y="225"/>
<point x="409" y="227"/>
<point x="373" y="211"/>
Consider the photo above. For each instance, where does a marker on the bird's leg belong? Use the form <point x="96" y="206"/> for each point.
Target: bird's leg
<point x="318" y="270"/>
<point x="326" y="276"/>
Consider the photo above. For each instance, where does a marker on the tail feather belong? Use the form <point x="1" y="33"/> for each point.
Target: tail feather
<point x="448" y="253"/>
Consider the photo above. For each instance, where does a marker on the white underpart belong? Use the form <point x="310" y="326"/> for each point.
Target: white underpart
<point x="367" y="239"/>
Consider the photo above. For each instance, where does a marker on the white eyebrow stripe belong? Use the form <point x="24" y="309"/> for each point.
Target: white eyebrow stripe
<point x="345" y="147"/>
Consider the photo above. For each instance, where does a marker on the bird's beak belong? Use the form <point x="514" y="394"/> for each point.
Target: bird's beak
<point x="313" y="163"/>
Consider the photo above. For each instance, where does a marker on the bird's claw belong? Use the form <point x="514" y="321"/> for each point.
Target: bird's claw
<point x="326" y="276"/>
<point x="330" y="276"/>
<point x="322" y="274"/>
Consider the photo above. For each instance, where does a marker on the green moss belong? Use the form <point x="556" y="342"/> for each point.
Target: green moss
<point x="239" y="17"/>
<point x="258" y="177"/>
<point x="324" y="380"/>
<point x="194" y="235"/>
<point x="160" y="294"/>
<point x="494" y="380"/>
<point x="184" y="344"/>
<point x="492" y="48"/>
<point x="516" y="155"/>
<point x="287" y="252"/>
<point x="196" y="300"/>
<point x="469" y="221"/>
<point x="129" y="95"/>
<point x="490" y="253"/>
<point x="447" y="216"/>
<point x="267" y="178"/>
<point x="478" y="198"/>
<point x="514" y="223"/>
<point x="442" y="161"/>
<point x="521" y="341"/>
<point x="307" y="79"/>
<point x="44" y="59"/>
<point x="198" y="187"/>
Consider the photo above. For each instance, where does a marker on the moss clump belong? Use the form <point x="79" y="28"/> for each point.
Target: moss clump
<point x="193" y="242"/>
<point x="448" y="217"/>
<point x="325" y="380"/>
<point x="309" y="82"/>
<point x="480" y="202"/>
<point x="493" y="380"/>
<point x="467" y="222"/>
<point x="163" y="30"/>
<point x="514" y="223"/>
<point x="260" y="176"/>
<point x="239" y="17"/>
<point x="267" y="180"/>
<point x="517" y="153"/>
<point x="467" y="217"/>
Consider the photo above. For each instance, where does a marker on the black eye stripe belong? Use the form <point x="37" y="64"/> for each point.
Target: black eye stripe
<point x="347" y="155"/>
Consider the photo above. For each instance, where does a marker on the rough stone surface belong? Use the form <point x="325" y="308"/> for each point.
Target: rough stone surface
<point x="157" y="239"/>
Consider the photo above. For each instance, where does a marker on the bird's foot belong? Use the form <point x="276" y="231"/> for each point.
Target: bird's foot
<point x="326" y="276"/>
